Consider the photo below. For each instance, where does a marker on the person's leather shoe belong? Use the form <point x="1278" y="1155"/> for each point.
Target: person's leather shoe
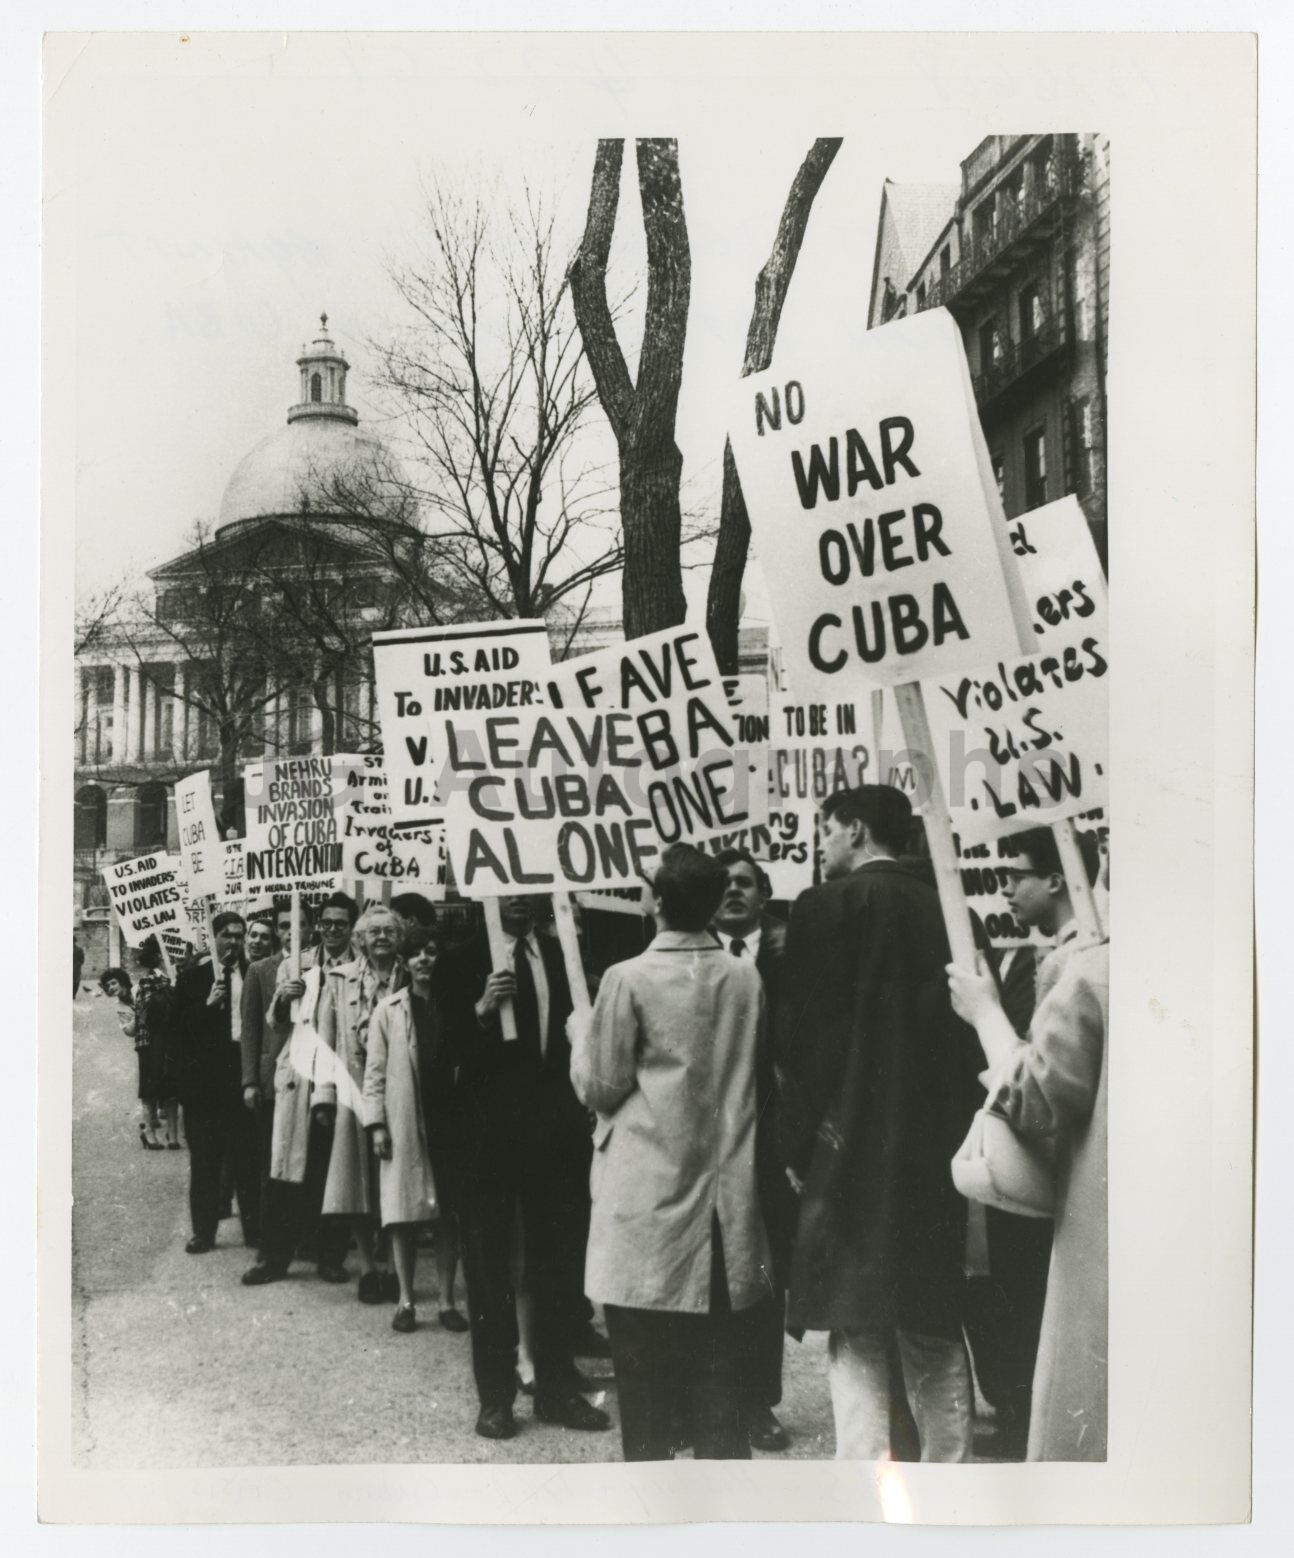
<point x="496" y="1423"/>
<point x="371" y="1288"/>
<point x="766" y="1433"/>
<point x="197" y="1246"/>
<point x="572" y="1412"/>
<point x="591" y="1343"/>
<point x="334" y="1273"/>
<point x="263" y="1272"/>
<point x="451" y="1320"/>
<point x="405" y="1319"/>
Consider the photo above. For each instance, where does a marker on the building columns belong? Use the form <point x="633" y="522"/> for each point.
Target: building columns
<point x="118" y="713"/>
<point x="133" y="701"/>
<point x="148" y="717"/>
<point x="180" y="718"/>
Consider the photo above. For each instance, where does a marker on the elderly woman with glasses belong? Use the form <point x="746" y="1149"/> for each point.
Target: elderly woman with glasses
<point x="351" y="994"/>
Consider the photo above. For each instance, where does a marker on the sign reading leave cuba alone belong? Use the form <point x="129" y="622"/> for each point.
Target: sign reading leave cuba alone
<point x="146" y="896"/>
<point x="425" y="674"/>
<point x="574" y="799"/>
<point x="861" y="477"/>
<point x="293" y="808"/>
<point x="377" y="848"/>
<point x="1022" y="743"/>
<point x="200" y="851"/>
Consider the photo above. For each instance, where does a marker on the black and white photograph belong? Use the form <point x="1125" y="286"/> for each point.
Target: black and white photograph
<point x="605" y="755"/>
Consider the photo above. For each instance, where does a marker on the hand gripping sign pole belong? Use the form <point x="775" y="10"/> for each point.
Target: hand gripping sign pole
<point x="499" y="962"/>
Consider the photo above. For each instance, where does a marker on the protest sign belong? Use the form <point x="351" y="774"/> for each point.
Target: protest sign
<point x="199" y="836"/>
<point x="146" y="897"/>
<point x="677" y="662"/>
<point x="233" y="891"/>
<point x="375" y="848"/>
<point x="194" y="908"/>
<point x="1064" y="588"/>
<point x="748" y="700"/>
<point x="634" y="901"/>
<point x="861" y="475"/>
<point x="424" y="674"/>
<point x="1021" y="743"/>
<point x="293" y="808"/>
<point x="577" y="799"/>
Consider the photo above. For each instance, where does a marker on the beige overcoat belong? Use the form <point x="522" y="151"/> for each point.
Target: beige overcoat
<point x="393" y="1098"/>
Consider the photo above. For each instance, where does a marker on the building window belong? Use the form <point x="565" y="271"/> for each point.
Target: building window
<point x="990" y="345"/>
<point x="150" y="817"/>
<point x="316" y="387"/>
<point x="1035" y="468"/>
<point x="945" y="260"/>
<point x="999" y="476"/>
<point x="1031" y="314"/>
<point x="921" y="295"/>
<point x="90" y="818"/>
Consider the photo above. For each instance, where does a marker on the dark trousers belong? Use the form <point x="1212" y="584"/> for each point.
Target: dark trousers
<point x="763" y="1338"/>
<point x="552" y="1196"/>
<point x="668" y="1363"/>
<point x="1009" y="1312"/>
<point x="221" y="1132"/>
<point x="292" y="1211"/>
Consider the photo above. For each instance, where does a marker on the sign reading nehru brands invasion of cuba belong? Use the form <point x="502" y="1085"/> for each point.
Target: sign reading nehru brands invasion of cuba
<point x="861" y="477"/>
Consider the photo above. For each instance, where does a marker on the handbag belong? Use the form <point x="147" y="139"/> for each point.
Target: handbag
<point x="997" y="1168"/>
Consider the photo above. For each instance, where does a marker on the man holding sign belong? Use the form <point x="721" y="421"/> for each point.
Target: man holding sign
<point x="523" y="1147"/>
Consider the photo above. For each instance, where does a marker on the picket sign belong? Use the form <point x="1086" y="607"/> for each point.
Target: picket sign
<point x="499" y="961"/>
<point x="1091" y="929"/>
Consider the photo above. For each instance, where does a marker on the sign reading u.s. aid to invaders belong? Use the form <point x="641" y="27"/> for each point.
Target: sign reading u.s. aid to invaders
<point x="200" y="840"/>
<point x="861" y="478"/>
<point x="377" y="848"/>
<point x="293" y="807"/>
<point x="1022" y="743"/>
<point x="573" y="799"/>
<point x="146" y="896"/>
<point x="425" y="674"/>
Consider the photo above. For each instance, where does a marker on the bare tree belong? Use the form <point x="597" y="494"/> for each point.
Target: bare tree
<point x="642" y="413"/>
<point x="723" y="603"/>
<point x="490" y="382"/>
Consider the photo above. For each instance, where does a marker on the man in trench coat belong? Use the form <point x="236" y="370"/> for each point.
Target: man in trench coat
<point x="880" y="1086"/>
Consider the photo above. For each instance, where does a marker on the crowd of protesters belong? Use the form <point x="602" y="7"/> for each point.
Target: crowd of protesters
<point x="749" y="1137"/>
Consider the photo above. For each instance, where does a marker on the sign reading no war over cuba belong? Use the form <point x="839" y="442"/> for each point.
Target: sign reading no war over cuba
<point x="425" y="674"/>
<point x="573" y="799"/>
<point x="860" y="472"/>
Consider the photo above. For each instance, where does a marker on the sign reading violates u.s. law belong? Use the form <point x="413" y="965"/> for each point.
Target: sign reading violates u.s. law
<point x="860" y="473"/>
<point x="425" y="674"/>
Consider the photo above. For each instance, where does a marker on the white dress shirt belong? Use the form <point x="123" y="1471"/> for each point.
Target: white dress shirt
<point x="750" y="941"/>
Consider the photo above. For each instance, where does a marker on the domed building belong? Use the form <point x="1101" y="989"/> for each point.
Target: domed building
<point x="256" y="641"/>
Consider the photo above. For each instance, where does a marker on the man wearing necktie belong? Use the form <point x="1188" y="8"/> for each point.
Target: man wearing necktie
<point x="206" y="1038"/>
<point x="745" y="928"/>
<point x="523" y="1142"/>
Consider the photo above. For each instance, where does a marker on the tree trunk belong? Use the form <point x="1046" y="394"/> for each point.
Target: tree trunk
<point x="327" y="719"/>
<point x="723" y="603"/>
<point x="652" y="585"/>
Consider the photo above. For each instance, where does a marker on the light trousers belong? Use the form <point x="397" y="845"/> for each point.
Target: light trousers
<point x="936" y="1379"/>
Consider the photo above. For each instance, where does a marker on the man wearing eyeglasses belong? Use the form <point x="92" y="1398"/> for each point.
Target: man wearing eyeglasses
<point x="1035" y="888"/>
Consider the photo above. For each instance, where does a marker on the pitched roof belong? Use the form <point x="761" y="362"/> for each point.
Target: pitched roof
<point x="912" y="217"/>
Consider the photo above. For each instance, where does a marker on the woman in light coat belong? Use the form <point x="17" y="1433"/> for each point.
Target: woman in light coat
<point x="400" y="1073"/>
<point x="1053" y="1091"/>
<point x="677" y="1249"/>
<point x="350" y="996"/>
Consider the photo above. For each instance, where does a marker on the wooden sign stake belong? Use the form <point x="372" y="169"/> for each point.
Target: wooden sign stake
<point x="294" y="956"/>
<point x="1086" y="912"/>
<point x="568" y="935"/>
<point x="499" y="962"/>
<point x="939" y="828"/>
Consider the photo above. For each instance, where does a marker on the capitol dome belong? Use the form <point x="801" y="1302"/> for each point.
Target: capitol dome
<point x="294" y="469"/>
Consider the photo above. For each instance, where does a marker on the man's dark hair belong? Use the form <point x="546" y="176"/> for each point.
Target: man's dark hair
<point x="227" y="917"/>
<point x="885" y="812"/>
<point x="1039" y="844"/>
<point x="420" y="934"/>
<point x="414" y="907"/>
<point x="341" y="901"/>
<point x="733" y="857"/>
<point x="284" y="906"/>
<point x="149" y="955"/>
<point x="690" y="886"/>
<point x="119" y="974"/>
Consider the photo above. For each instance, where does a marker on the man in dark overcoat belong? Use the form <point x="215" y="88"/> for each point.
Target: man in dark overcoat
<point x="205" y="1034"/>
<point x="523" y="1144"/>
<point x="879" y="1089"/>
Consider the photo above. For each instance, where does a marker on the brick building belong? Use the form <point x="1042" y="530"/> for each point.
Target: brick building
<point x="1019" y="254"/>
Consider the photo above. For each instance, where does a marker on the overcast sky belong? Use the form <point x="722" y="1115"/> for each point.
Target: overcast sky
<point x="218" y="194"/>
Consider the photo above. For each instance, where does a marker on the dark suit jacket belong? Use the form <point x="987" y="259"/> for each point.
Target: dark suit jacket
<point x="507" y="1100"/>
<point x="263" y="1037"/>
<point x="208" y="1062"/>
<point x="880" y="1088"/>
